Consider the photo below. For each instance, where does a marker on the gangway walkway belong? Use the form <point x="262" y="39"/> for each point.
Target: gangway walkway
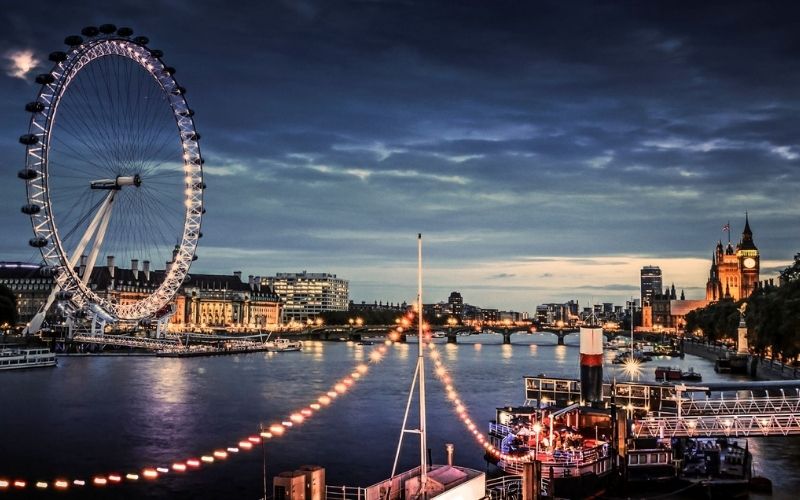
<point x="769" y="409"/>
<point x="126" y="341"/>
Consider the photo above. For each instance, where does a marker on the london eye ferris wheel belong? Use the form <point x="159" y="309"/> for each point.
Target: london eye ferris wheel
<point x="113" y="170"/>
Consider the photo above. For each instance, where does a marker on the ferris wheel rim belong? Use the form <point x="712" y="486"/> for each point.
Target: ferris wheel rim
<point x="44" y="223"/>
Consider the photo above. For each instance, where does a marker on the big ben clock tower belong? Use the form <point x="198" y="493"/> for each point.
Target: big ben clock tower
<point x="749" y="264"/>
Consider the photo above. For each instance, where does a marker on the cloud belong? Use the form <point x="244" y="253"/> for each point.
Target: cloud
<point x="500" y="276"/>
<point x="20" y="63"/>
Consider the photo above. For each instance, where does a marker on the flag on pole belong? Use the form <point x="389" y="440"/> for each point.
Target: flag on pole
<point x="727" y="227"/>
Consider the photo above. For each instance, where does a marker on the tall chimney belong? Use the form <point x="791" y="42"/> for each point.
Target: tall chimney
<point x="591" y="351"/>
<point x="146" y="269"/>
<point x="238" y="274"/>
<point x="258" y="283"/>
<point x="135" y="268"/>
<point x="251" y="282"/>
<point x="110" y="264"/>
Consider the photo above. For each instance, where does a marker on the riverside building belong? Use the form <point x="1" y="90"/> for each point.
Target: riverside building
<point x="210" y="302"/>
<point x="305" y="295"/>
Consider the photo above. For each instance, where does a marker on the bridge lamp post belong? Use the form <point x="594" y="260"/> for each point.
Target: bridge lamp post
<point x="537" y="428"/>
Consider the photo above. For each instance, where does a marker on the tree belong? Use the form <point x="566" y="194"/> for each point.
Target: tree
<point x="8" y="306"/>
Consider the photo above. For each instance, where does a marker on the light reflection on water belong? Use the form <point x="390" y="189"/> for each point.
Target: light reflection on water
<point x="93" y="415"/>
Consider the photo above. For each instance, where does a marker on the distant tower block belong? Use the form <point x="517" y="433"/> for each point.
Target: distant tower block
<point x="591" y="365"/>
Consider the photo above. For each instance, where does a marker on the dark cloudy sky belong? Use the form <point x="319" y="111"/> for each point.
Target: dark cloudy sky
<point x="546" y="150"/>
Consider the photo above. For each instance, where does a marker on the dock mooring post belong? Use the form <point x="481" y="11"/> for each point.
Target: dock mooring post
<point x="531" y="480"/>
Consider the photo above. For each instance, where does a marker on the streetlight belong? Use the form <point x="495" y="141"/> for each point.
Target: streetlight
<point x="537" y="428"/>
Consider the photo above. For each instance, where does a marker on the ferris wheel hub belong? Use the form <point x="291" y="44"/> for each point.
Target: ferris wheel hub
<point x="117" y="183"/>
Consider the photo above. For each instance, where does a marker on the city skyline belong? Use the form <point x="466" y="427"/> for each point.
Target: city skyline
<point x="539" y="167"/>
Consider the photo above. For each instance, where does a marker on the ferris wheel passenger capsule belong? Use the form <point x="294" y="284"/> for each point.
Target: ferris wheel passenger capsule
<point x="28" y="139"/>
<point x="27" y="174"/>
<point x="38" y="242"/>
<point x="57" y="56"/>
<point x="73" y="40"/>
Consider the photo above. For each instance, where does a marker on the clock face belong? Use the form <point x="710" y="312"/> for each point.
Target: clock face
<point x="749" y="263"/>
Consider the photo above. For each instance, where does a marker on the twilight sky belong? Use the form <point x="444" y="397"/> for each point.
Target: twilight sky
<point x="546" y="150"/>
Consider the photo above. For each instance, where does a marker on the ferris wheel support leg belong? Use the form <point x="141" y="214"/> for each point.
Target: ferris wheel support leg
<point x="98" y="326"/>
<point x="36" y="322"/>
<point x="161" y="325"/>
<point x="105" y="210"/>
<point x="90" y="231"/>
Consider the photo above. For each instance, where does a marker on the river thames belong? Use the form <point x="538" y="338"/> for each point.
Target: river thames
<point x="98" y="415"/>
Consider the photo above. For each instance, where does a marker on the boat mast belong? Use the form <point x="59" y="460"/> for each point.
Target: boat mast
<point x="419" y="373"/>
<point x="423" y="442"/>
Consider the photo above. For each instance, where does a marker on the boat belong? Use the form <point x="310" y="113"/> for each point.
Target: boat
<point x="284" y="345"/>
<point x="731" y="363"/>
<point x="438" y="335"/>
<point x="664" y="373"/>
<point x="691" y="376"/>
<point x="572" y="443"/>
<point x="16" y="359"/>
<point x="623" y="357"/>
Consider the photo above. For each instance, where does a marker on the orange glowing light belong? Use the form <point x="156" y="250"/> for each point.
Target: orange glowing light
<point x="340" y="388"/>
<point x="114" y="478"/>
<point x="179" y="467"/>
<point x="221" y="454"/>
<point x="193" y="462"/>
<point x="4" y="483"/>
<point x="254" y="439"/>
<point x="245" y="445"/>
<point x="100" y="481"/>
<point x="61" y="484"/>
<point x="277" y="429"/>
<point x="150" y="473"/>
<point x="207" y="459"/>
<point x="332" y="394"/>
<point x="132" y="477"/>
<point x="306" y="412"/>
<point x="41" y="485"/>
<point x="296" y="418"/>
<point x="362" y="368"/>
<point x="315" y="406"/>
<point x="79" y="482"/>
<point x="233" y="449"/>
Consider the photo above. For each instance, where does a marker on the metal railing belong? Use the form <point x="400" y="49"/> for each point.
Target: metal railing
<point x="752" y="405"/>
<point x="504" y="488"/>
<point x="345" y="493"/>
<point x="719" y="425"/>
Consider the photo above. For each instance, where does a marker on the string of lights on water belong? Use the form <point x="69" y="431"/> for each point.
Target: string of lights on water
<point x="246" y="443"/>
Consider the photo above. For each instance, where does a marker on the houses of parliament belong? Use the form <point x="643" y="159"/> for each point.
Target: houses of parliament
<point x="734" y="271"/>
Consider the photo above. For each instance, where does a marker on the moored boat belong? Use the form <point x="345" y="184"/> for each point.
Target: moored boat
<point x="664" y="373"/>
<point x="15" y="359"/>
<point x="284" y="345"/>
